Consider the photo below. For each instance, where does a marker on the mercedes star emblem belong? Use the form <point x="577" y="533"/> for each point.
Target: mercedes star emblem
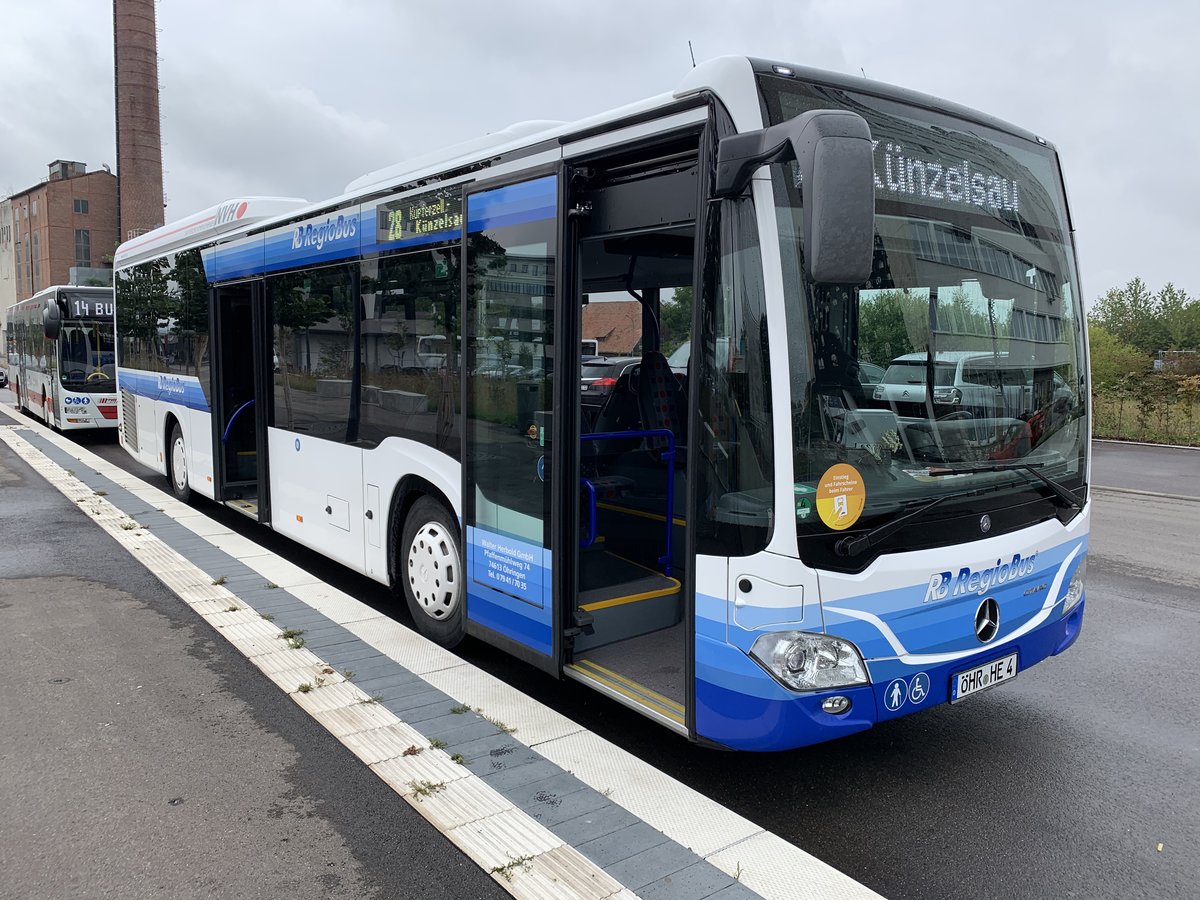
<point x="985" y="524"/>
<point x="987" y="620"/>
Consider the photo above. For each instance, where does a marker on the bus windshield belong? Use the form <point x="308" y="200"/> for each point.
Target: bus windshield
<point x="963" y="351"/>
<point x="87" y="356"/>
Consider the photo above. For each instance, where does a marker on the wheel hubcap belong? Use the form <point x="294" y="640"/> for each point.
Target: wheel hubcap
<point x="179" y="465"/>
<point x="433" y="571"/>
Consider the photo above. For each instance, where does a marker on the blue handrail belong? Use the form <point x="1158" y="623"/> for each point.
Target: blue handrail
<point x="591" y="533"/>
<point x="238" y="412"/>
<point x="668" y="456"/>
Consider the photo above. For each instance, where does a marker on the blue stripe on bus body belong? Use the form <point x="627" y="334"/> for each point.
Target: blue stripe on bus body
<point x="515" y="204"/>
<point x="184" y="390"/>
<point x="509" y="621"/>
<point x="512" y="205"/>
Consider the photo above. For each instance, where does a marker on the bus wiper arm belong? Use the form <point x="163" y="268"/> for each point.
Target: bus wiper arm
<point x="1068" y="497"/>
<point x="856" y="544"/>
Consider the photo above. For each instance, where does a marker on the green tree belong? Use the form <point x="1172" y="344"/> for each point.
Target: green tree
<point x="890" y="324"/>
<point x="675" y="318"/>
<point x="1111" y="359"/>
<point x="1133" y="316"/>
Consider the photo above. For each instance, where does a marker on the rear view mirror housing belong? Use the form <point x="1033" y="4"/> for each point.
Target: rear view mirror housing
<point x="51" y="319"/>
<point x="834" y="152"/>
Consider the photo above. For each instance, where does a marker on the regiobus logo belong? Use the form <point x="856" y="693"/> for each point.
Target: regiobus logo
<point x="970" y="581"/>
<point x="330" y="230"/>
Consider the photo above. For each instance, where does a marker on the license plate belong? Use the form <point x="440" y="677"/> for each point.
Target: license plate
<point x="972" y="681"/>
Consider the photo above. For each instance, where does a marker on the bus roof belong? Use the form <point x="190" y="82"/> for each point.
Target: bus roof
<point x="729" y="77"/>
<point x="208" y="224"/>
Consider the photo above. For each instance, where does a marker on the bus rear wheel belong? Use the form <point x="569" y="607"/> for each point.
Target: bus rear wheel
<point x="177" y="472"/>
<point x="430" y="573"/>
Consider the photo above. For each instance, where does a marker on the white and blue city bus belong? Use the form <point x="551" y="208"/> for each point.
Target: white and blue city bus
<point x="62" y="359"/>
<point x="754" y="544"/>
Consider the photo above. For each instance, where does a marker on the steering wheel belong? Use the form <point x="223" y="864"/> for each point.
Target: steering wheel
<point x="957" y="415"/>
<point x="98" y="375"/>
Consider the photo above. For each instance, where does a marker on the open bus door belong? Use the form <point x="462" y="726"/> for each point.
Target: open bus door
<point x="240" y="398"/>
<point x="510" y="479"/>
<point x="631" y="246"/>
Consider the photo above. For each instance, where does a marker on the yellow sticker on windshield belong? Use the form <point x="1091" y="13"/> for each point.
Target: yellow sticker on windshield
<point x="841" y="496"/>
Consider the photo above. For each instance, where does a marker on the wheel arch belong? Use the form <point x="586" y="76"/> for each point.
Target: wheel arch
<point x="409" y="490"/>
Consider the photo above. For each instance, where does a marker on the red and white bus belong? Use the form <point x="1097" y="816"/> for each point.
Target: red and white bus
<point x="61" y="360"/>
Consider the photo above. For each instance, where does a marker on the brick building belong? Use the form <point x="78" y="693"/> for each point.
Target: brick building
<point x="61" y="231"/>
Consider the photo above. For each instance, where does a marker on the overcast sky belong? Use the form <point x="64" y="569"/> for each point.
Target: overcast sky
<point x="298" y="98"/>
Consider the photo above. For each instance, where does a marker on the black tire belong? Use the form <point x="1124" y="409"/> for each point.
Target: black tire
<point x="177" y="473"/>
<point x="431" y="574"/>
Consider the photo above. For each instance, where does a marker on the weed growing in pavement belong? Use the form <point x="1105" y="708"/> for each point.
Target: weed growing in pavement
<point x="294" y="637"/>
<point x="506" y="871"/>
<point x="422" y="789"/>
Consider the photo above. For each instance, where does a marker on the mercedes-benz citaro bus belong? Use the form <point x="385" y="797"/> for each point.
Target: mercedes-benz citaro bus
<point x="61" y="358"/>
<point x="745" y="545"/>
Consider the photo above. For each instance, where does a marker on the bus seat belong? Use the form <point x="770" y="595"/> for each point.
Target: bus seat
<point x="662" y="401"/>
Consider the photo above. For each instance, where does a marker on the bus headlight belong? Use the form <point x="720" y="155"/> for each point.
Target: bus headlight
<point x="809" y="662"/>
<point x="1075" y="588"/>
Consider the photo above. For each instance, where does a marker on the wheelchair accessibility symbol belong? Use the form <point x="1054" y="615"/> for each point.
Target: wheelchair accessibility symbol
<point x="918" y="688"/>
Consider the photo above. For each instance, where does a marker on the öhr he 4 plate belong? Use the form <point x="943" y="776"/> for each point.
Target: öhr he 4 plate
<point x="971" y="681"/>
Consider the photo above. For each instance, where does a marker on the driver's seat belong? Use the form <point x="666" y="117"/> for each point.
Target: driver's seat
<point x="662" y="401"/>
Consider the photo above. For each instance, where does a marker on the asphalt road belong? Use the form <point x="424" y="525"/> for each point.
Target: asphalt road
<point x="1061" y="784"/>
<point x="1161" y="470"/>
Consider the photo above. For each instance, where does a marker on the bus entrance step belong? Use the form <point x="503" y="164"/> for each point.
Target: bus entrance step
<point x="245" y="507"/>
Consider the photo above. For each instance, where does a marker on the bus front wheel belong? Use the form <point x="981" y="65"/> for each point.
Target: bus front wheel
<point x="430" y="573"/>
<point x="177" y="472"/>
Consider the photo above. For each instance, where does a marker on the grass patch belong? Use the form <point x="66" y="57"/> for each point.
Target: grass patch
<point x="437" y="744"/>
<point x="458" y="758"/>
<point x="219" y="580"/>
<point x="305" y="688"/>
<point x="460" y="709"/>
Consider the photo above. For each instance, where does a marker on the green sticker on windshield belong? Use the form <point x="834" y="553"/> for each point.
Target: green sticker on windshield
<point x="805" y="494"/>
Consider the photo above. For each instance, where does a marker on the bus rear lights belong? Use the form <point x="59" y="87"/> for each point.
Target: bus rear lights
<point x="809" y="662"/>
<point x="836" y="705"/>
<point x="1075" y="588"/>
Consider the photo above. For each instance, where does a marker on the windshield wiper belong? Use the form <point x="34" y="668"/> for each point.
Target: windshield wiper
<point x="853" y="545"/>
<point x="1068" y="497"/>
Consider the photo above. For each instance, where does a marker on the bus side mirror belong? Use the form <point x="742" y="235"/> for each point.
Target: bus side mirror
<point x="51" y="319"/>
<point x="837" y="168"/>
